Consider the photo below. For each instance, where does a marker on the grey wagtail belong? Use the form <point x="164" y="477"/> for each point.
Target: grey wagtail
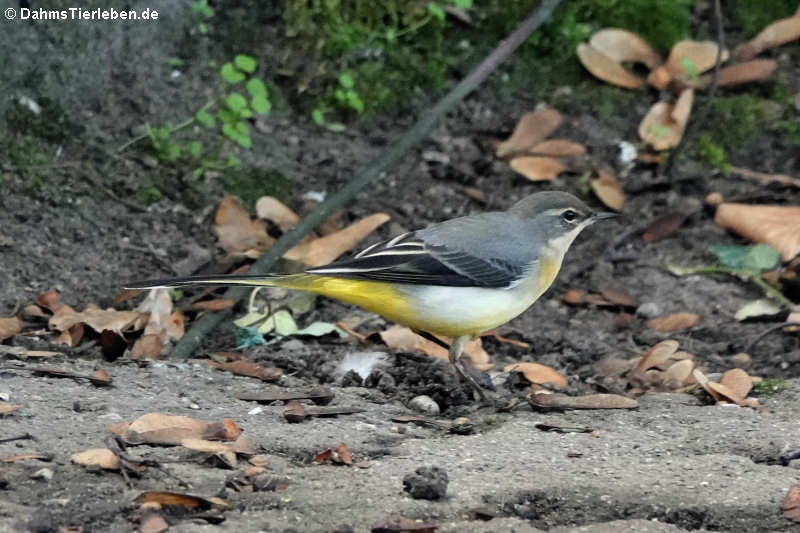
<point x="457" y="278"/>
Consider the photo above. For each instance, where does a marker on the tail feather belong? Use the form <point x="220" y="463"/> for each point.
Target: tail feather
<point x="251" y="280"/>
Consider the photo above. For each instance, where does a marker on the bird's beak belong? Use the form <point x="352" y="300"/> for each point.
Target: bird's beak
<point x="602" y="215"/>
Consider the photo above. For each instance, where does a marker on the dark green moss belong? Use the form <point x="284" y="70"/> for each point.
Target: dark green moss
<point x="734" y="121"/>
<point x="713" y="153"/>
<point x="752" y="16"/>
<point x="50" y="123"/>
<point x="249" y="184"/>
<point x="148" y="195"/>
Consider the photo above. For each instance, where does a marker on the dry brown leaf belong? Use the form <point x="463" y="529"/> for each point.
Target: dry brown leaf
<point x="6" y="408"/>
<point x="537" y="168"/>
<point x="776" y="34"/>
<point x="338" y="455"/>
<point x="102" y="457"/>
<point x="9" y="327"/>
<point x="623" y="46"/>
<point x="213" y="305"/>
<point x="663" y="226"/>
<point x="539" y="374"/>
<point x="606" y="69"/>
<point x="590" y="401"/>
<point x="657" y="355"/>
<point x="152" y="523"/>
<point x="72" y="336"/>
<point x="403" y="338"/>
<point x="147" y="347"/>
<point x="27" y="457"/>
<point x="158" y="428"/>
<point x="244" y="367"/>
<point x="678" y="374"/>
<point x="688" y="59"/>
<point x="608" y="189"/>
<point x="738" y="381"/>
<point x="723" y="393"/>
<point x="50" y="300"/>
<point x="238" y="234"/>
<point x="175" y="499"/>
<point x="754" y="70"/>
<point x="660" y="77"/>
<point x="777" y="226"/>
<point x="175" y="325"/>
<point x="673" y="322"/>
<point x="325" y="249"/>
<point x="97" y="319"/>
<point x="33" y="311"/>
<point x="558" y="148"/>
<point x="617" y="295"/>
<point x="791" y="504"/>
<point x="574" y="297"/>
<point x="664" y="124"/>
<point x="532" y="128"/>
<point x="277" y="212"/>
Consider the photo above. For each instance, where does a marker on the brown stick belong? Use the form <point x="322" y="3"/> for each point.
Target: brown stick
<point x="372" y="172"/>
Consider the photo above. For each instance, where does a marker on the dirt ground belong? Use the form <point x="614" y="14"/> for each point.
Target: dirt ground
<point x="676" y="463"/>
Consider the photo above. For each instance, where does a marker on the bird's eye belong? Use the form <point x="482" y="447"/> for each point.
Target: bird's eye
<point x="569" y="215"/>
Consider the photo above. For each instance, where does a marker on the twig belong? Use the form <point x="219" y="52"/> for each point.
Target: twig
<point x="767" y="332"/>
<point x="764" y="178"/>
<point x="26" y="436"/>
<point x="702" y="113"/>
<point x="372" y="172"/>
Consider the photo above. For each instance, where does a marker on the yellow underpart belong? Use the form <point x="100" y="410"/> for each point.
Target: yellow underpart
<point x="547" y="273"/>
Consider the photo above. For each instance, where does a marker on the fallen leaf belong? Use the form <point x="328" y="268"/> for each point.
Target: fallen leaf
<point x="673" y="322"/>
<point x="723" y="393"/>
<point x="624" y="46"/>
<point x="102" y="457"/>
<point x="97" y="319"/>
<point x="657" y="355"/>
<point x="539" y="374"/>
<point x="213" y="305"/>
<point x="608" y="189"/>
<point x="176" y="499"/>
<point x="677" y="375"/>
<point x="664" y="124"/>
<point x="50" y="300"/>
<point x="532" y="129"/>
<point x="537" y="168"/>
<point x="558" y="148"/>
<point x="574" y="297"/>
<point x="325" y="249"/>
<point x="754" y="70"/>
<point x="244" y="367"/>
<point x="777" y="226"/>
<point x="402" y="338"/>
<point x="776" y="34"/>
<point x="757" y="309"/>
<point x="27" y="457"/>
<point x="338" y="455"/>
<point x="9" y="327"/>
<point x="606" y="69"/>
<point x="541" y="400"/>
<point x="689" y="59"/>
<point x="33" y="311"/>
<point x="274" y="210"/>
<point x="6" y="408"/>
<point x="238" y="234"/>
<point x="764" y="178"/>
<point x="738" y="381"/>
<point x="72" y="336"/>
<point x="147" y="347"/>
<point x="791" y="504"/>
<point x="152" y="523"/>
<point x="157" y="428"/>
<point x="663" y="226"/>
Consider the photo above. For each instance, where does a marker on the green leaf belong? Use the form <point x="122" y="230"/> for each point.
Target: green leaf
<point x="260" y="104"/>
<point x="236" y="102"/>
<point x="689" y="67"/>
<point x="318" y="116"/>
<point x="175" y="62"/>
<point x="465" y="4"/>
<point x="239" y="133"/>
<point x="318" y="329"/>
<point x="354" y="101"/>
<point x="245" y="63"/>
<point x="232" y="161"/>
<point x="280" y="323"/>
<point x="757" y="257"/>
<point x="202" y="28"/>
<point x="205" y="118"/>
<point x="436" y="11"/>
<point x="256" y="87"/>
<point x="346" y="80"/>
<point x="230" y="74"/>
<point x="195" y="148"/>
<point x="249" y="337"/>
<point x="336" y="127"/>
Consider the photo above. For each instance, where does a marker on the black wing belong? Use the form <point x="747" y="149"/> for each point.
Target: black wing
<point x="409" y="259"/>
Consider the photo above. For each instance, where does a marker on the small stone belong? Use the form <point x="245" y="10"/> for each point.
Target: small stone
<point x="648" y="310"/>
<point x="149" y="162"/>
<point x="424" y="404"/>
<point x="794" y="463"/>
<point x="43" y="473"/>
<point x="742" y="360"/>
<point x="426" y="483"/>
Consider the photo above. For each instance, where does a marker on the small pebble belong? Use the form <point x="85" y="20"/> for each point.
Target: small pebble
<point x="794" y="463"/>
<point x="424" y="404"/>
<point x="43" y="473"/>
<point x="426" y="483"/>
<point x="255" y="411"/>
<point x="648" y="310"/>
<point x="742" y="360"/>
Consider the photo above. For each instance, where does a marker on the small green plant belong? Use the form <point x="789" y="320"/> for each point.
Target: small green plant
<point x="225" y="120"/>
<point x="204" y="12"/>
<point x="748" y="263"/>
<point x="769" y="387"/>
<point x="714" y="154"/>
